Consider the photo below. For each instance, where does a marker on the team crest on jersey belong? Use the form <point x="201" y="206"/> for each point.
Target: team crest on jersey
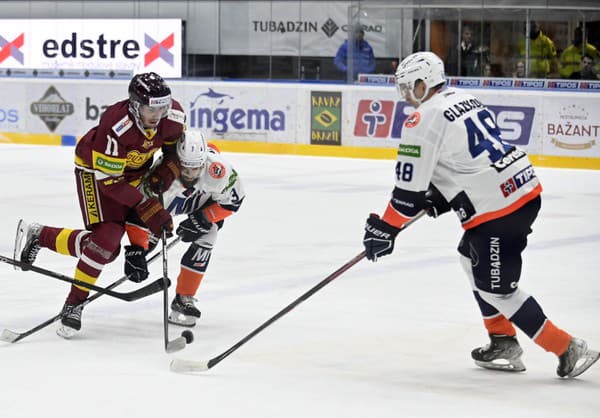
<point x="216" y="170"/>
<point x="148" y="143"/>
<point x="122" y="126"/>
<point x="413" y="120"/>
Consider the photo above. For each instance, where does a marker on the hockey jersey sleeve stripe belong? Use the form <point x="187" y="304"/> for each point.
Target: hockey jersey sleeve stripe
<point x="393" y="217"/>
<point x="215" y="212"/>
<point x="489" y="216"/>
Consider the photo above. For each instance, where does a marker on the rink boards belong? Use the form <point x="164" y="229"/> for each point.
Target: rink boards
<point x="559" y="128"/>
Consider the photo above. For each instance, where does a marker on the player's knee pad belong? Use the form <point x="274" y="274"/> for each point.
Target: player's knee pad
<point x="507" y="304"/>
<point x="208" y="240"/>
<point x="196" y="258"/>
<point x="104" y="242"/>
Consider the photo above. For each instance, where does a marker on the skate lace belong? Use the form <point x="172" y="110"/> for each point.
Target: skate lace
<point x="32" y="252"/>
<point x="73" y="311"/>
<point x="188" y="301"/>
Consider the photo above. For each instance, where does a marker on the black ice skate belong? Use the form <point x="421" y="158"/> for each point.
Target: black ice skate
<point x="70" y="320"/>
<point x="27" y="242"/>
<point x="183" y="311"/>
<point x="502" y="353"/>
<point x="576" y="360"/>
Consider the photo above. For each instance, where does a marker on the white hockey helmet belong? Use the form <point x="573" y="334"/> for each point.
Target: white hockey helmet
<point x="424" y="66"/>
<point x="192" y="149"/>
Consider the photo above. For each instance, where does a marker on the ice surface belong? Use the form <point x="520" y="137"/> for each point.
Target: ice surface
<point x="390" y="339"/>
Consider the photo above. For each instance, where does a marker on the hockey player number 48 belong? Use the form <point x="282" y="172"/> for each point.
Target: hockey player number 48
<point x="484" y="135"/>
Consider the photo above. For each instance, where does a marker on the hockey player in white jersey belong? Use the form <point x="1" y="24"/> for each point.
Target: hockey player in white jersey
<point x="208" y="190"/>
<point x="451" y="156"/>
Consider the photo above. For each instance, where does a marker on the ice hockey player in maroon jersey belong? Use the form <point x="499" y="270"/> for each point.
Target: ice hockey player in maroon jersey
<point x="110" y="161"/>
<point x="451" y="156"/>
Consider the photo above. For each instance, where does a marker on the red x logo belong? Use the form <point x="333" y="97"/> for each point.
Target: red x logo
<point x="11" y="49"/>
<point x="158" y="49"/>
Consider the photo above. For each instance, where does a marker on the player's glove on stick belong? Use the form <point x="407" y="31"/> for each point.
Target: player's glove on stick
<point x="163" y="176"/>
<point x="154" y="216"/>
<point x="136" y="267"/>
<point x="379" y="237"/>
<point x="435" y="203"/>
<point x="194" y="226"/>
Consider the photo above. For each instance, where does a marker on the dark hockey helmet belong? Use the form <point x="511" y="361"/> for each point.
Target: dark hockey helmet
<point x="148" y="89"/>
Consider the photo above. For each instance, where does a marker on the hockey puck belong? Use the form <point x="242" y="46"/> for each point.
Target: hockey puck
<point x="188" y="335"/>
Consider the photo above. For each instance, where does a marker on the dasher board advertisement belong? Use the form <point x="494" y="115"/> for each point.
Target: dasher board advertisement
<point x="139" y="45"/>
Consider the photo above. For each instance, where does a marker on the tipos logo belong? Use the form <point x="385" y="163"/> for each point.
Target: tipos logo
<point x="52" y="108"/>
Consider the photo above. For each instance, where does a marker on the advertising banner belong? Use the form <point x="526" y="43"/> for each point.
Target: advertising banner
<point x="325" y="118"/>
<point x="139" y="45"/>
<point x="307" y="28"/>
<point x="549" y="123"/>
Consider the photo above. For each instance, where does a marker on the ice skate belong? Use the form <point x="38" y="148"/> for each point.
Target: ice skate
<point x="183" y="311"/>
<point x="27" y="243"/>
<point x="70" y="320"/>
<point x="576" y="360"/>
<point x="502" y="353"/>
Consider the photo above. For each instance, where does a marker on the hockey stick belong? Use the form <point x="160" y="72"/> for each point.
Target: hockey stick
<point x="191" y="366"/>
<point x="153" y="287"/>
<point x="12" y="336"/>
<point x="180" y="342"/>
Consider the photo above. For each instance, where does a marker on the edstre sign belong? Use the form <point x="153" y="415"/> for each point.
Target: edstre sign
<point x="137" y="45"/>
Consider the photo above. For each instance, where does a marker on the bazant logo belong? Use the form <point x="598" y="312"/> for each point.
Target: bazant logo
<point x="12" y="48"/>
<point x="221" y="112"/>
<point x="159" y="49"/>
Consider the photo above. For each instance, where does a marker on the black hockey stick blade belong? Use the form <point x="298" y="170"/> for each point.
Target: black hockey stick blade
<point x="9" y="336"/>
<point x="191" y="366"/>
<point x="127" y="296"/>
<point x="12" y="337"/>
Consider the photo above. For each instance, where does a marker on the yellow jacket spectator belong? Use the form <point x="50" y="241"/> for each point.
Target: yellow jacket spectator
<point x="571" y="57"/>
<point x="542" y="53"/>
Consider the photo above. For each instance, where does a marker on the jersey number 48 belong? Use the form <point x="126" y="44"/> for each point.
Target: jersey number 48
<point x="484" y="136"/>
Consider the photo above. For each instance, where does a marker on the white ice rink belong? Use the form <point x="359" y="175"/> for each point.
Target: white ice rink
<point x="390" y="339"/>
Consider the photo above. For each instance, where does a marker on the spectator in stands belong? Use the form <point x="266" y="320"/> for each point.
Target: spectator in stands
<point x="586" y="71"/>
<point x="472" y="58"/>
<point x="571" y="57"/>
<point x="393" y="66"/>
<point x="519" y="71"/>
<point x="363" y="60"/>
<point x="542" y="53"/>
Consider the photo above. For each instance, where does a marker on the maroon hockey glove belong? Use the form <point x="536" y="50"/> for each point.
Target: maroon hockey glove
<point x="163" y="176"/>
<point x="154" y="216"/>
<point x="379" y="237"/>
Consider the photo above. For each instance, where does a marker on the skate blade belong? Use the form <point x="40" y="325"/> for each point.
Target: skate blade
<point x="18" y="242"/>
<point x="182" y="320"/>
<point x="584" y="363"/>
<point x="66" y="332"/>
<point x="503" y="365"/>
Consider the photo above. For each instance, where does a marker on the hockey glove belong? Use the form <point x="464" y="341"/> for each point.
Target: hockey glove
<point x="194" y="226"/>
<point x="435" y="203"/>
<point x="163" y="175"/>
<point x="379" y="237"/>
<point x="136" y="267"/>
<point x="154" y="216"/>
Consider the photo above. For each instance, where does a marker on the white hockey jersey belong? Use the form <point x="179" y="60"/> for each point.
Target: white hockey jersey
<point x="452" y="141"/>
<point x="218" y="182"/>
